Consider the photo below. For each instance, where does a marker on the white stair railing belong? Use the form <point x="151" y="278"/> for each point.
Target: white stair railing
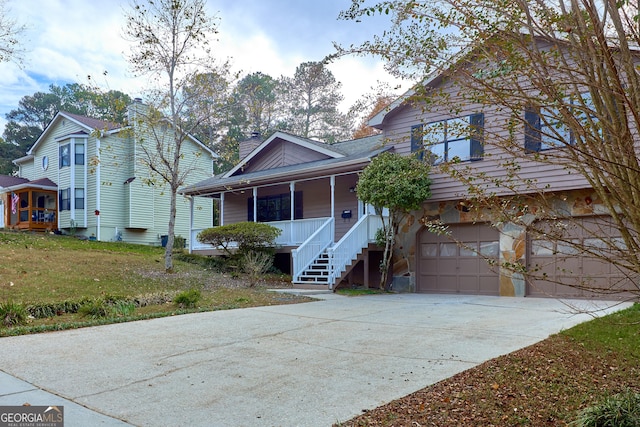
<point x="351" y="245"/>
<point x="307" y="252"/>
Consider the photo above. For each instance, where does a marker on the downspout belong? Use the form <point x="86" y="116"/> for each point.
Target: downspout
<point x="85" y="186"/>
<point x="191" y="205"/>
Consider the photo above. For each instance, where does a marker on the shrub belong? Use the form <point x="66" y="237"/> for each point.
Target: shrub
<point x="187" y="299"/>
<point x="247" y="235"/>
<point x="620" y="410"/>
<point x="255" y="264"/>
<point x="13" y="314"/>
<point x="96" y="309"/>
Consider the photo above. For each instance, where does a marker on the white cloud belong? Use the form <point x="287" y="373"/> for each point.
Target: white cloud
<point x="68" y="40"/>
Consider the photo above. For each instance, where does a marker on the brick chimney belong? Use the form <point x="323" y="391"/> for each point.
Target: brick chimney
<point x="247" y="146"/>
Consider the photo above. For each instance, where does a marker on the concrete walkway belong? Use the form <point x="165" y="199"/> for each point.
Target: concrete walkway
<point x="309" y="364"/>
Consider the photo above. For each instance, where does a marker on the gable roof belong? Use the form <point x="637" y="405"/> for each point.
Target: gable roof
<point x="354" y="155"/>
<point x="319" y="147"/>
<point x="89" y="126"/>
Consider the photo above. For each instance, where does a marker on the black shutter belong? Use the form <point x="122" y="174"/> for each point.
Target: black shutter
<point x="532" y="142"/>
<point x="477" y="136"/>
<point x="417" y="144"/>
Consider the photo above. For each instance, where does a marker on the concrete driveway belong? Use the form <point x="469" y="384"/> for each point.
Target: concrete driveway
<point x="310" y="364"/>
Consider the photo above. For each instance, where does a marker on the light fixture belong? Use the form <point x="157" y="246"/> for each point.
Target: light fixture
<point x="352" y="189"/>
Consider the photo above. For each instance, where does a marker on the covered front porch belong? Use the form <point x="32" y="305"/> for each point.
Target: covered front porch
<point x="32" y="206"/>
<point x="324" y="225"/>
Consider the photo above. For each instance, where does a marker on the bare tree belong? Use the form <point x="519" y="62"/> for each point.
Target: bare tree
<point x="171" y="45"/>
<point x="10" y="32"/>
<point x="564" y="74"/>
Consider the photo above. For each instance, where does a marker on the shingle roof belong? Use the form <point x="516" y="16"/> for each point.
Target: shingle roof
<point x="10" y="181"/>
<point x="357" y="152"/>
<point x="92" y="123"/>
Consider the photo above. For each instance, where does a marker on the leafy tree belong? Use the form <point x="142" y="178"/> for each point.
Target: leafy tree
<point x="257" y="94"/>
<point x="171" y="46"/>
<point x="573" y="63"/>
<point x="311" y="99"/>
<point x="400" y="184"/>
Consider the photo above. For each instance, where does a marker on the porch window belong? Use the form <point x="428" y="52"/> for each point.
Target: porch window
<point x="65" y="199"/>
<point x="276" y="207"/>
<point x="65" y="159"/>
<point x="79" y="198"/>
<point x="79" y="154"/>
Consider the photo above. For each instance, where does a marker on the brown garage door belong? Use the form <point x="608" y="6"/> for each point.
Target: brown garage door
<point x="559" y="268"/>
<point x="446" y="267"/>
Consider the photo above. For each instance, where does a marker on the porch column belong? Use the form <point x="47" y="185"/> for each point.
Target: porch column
<point x="333" y="206"/>
<point x="292" y="210"/>
<point x="98" y="187"/>
<point x="255" y="204"/>
<point x="222" y="208"/>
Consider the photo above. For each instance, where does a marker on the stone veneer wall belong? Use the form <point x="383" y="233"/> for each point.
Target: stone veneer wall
<point x="513" y="242"/>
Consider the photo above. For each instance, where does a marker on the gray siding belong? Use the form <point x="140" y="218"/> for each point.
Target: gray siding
<point x="545" y="176"/>
<point x="282" y="153"/>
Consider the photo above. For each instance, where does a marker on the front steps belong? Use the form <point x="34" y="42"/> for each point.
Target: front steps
<point x="317" y="273"/>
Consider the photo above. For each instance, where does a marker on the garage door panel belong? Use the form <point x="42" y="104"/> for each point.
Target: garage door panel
<point x="458" y="268"/>
<point x="566" y="266"/>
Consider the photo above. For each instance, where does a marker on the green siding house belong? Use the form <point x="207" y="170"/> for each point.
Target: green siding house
<point x="89" y="177"/>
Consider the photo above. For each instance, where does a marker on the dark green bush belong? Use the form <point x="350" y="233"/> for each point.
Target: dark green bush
<point x="187" y="299"/>
<point x="13" y="314"/>
<point x="620" y="410"/>
<point x="247" y="235"/>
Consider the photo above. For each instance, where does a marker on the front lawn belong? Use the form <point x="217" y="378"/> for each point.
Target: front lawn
<point x="53" y="277"/>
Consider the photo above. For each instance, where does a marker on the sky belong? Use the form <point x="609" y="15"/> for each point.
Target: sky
<point x="68" y="40"/>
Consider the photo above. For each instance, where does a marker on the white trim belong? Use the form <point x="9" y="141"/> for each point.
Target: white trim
<point x="222" y="208"/>
<point x="255" y="204"/>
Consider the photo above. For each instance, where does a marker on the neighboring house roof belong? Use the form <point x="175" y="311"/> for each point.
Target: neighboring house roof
<point x="353" y="155"/>
<point x="10" y="181"/>
<point x="90" y="125"/>
<point x="20" y="183"/>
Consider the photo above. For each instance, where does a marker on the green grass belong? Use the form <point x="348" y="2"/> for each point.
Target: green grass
<point x="55" y="276"/>
<point x="617" y="333"/>
<point x="359" y="291"/>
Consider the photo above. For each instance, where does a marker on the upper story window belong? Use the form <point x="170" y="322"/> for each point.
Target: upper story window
<point x="79" y="153"/>
<point x="545" y="129"/>
<point x="459" y="138"/>
<point x="65" y="155"/>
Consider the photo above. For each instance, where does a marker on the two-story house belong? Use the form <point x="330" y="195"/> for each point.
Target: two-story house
<point x="86" y="177"/>
<point x="307" y="189"/>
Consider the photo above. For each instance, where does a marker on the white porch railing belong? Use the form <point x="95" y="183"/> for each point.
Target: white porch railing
<point x="307" y="252"/>
<point x="352" y="243"/>
<point x="293" y="233"/>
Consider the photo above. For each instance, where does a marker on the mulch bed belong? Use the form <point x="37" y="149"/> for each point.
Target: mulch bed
<point x="545" y="384"/>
